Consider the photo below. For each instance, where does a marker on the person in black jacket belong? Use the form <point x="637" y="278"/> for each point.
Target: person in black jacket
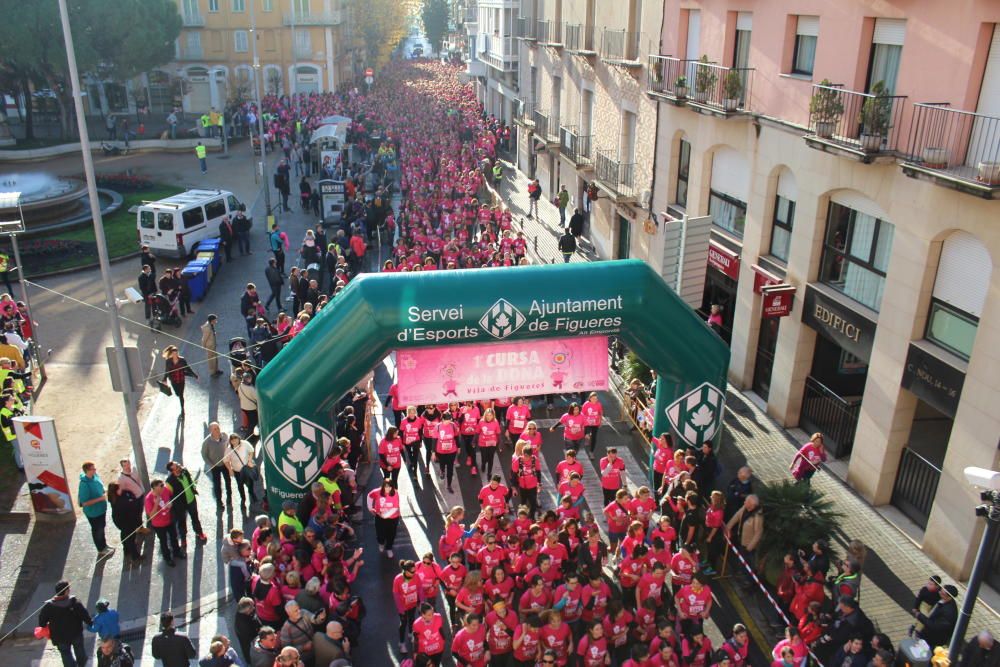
<point x="185" y="502"/>
<point x="172" y="648"/>
<point x="576" y="223"/>
<point x="227" y="235"/>
<point x="927" y="596"/>
<point x="983" y="652"/>
<point x="147" y="258"/>
<point x="940" y="621"/>
<point x="247" y="626"/>
<point x="275" y="281"/>
<point x="241" y="229"/>
<point x="147" y="287"/>
<point x="567" y="245"/>
<point x="849" y="622"/>
<point x="66" y="617"/>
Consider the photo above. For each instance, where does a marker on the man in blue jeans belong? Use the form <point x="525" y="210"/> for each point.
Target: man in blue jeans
<point x="93" y="500"/>
<point x="65" y="618"/>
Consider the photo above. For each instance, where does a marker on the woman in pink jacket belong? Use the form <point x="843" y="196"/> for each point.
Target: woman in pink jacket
<point x="383" y="503"/>
<point x="160" y="517"/>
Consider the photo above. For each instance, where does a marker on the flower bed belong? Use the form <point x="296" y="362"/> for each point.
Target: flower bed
<point x="123" y="182"/>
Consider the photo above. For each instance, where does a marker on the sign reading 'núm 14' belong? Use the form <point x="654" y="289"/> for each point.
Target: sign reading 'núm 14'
<point x="571" y="317"/>
<point x="472" y="372"/>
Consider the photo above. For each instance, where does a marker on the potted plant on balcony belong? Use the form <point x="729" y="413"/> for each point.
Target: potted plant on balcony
<point x="825" y="108"/>
<point x="732" y="88"/>
<point x="704" y="78"/>
<point x="876" y="114"/>
<point x="681" y="87"/>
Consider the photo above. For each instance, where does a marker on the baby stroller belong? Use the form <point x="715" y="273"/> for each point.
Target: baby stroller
<point x="237" y="351"/>
<point x="165" y="311"/>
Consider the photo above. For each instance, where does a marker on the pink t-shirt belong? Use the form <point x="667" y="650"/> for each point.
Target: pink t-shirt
<point x="592" y="411"/>
<point x="573" y="426"/>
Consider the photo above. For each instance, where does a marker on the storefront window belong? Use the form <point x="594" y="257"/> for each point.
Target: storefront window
<point x="781" y="231"/>
<point x="856" y="254"/>
<point x="952" y="329"/>
<point x="727" y="213"/>
<point x="683" y="170"/>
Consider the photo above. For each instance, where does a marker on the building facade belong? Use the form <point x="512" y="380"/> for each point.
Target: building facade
<point x="303" y="46"/>
<point x="848" y="164"/>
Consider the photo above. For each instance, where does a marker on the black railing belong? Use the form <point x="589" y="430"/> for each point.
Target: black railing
<point x="860" y="121"/>
<point x="548" y="32"/>
<point x="552" y="129"/>
<point x="836" y="418"/>
<point x="619" y="46"/>
<point x="616" y="176"/>
<point x="916" y="485"/>
<point x="578" y="38"/>
<point x="962" y="144"/>
<point x="541" y="121"/>
<point x="671" y="77"/>
<point x="525" y="113"/>
<point x="722" y="88"/>
<point x="573" y="146"/>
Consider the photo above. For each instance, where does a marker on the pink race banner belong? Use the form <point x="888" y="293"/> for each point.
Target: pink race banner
<point x="496" y="370"/>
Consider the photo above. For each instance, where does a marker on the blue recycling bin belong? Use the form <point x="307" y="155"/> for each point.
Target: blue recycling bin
<point x="215" y="247"/>
<point x="196" y="275"/>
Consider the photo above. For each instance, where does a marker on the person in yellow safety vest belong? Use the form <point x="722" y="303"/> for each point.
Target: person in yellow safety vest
<point x="12" y="352"/>
<point x="206" y="124"/>
<point x="10" y="410"/>
<point x="497" y="173"/>
<point x="5" y="268"/>
<point x="202" y="154"/>
<point x="7" y="371"/>
<point x="298" y="130"/>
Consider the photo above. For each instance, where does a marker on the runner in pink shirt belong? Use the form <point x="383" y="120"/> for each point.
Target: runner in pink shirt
<point x="573" y="427"/>
<point x="593" y="414"/>
<point x="468" y="417"/>
<point x="446" y="448"/>
<point x="807" y="460"/>
<point x="390" y="454"/>
<point x="518" y="416"/>
<point x="411" y="429"/>
<point x="488" y="430"/>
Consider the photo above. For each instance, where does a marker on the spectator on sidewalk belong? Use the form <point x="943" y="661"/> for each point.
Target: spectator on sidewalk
<point x="940" y="621"/>
<point x="65" y="617"/>
<point x="209" y="341"/>
<point x="202" y="154"/>
<point x="738" y="489"/>
<point x="105" y="624"/>
<point x="562" y="201"/>
<point x="172" y="648"/>
<point x="264" y="651"/>
<point x="91" y="496"/>
<point x="147" y="287"/>
<point x="748" y="526"/>
<point x="534" y="195"/>
<point x="213" y="453"/>
<point x="567" y="245"/>
<point x="576" y="223"/>
<point x="247" y="626"/>
<point x="983" y="652"/>
<point x="114" y="653"/>
<point x="241" y="229"/>
<point x="227" y="235"/>
<point x="184" y="495"/>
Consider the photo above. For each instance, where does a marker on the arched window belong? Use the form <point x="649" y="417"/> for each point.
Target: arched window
<point x="960" y="288"/>
<point x="727" y="202"/>
<point x="856" y="248"/>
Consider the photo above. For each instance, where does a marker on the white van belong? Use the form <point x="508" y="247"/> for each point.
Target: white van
<point x="174" y="226"/>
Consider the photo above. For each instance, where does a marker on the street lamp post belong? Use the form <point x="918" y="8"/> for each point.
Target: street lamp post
<point x="991" y="511"/>
<point x="260" y="117"/>
<point x="102" y="253"/>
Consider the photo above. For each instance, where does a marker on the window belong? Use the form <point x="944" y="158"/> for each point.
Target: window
<point x="300" y="7"/>
<point x="741" y="48"/>
<point x="806" y="35"/>
<point x="146" y="219"/>
<point x="215" y="209"/>
<point x="683" y="171"/>
<point x="165" y="221"/>
<point x="193" y="217"/>
<point x="856" y="254"/>
<point x="190" y="8"/>
<point x="887" y="49"/>
<point x="952" y="328"/>
<point x="303" y="45"/>
<point x="239" y="5"/>
<point x="268" y="5"/>
<point x="234" y="204"/>
<point x="240" y="44"/>
<point x="781" y="231"/>
<point x="213" y="5"/>
<point x="194" y="44"/>
<point x="727" y="212"/>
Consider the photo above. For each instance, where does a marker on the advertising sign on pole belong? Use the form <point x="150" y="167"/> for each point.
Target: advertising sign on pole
<point x="43" y="464"/>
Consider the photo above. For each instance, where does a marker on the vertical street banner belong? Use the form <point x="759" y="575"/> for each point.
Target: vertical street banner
<point x="43" y="464"/>
<point x="498" y="370"/>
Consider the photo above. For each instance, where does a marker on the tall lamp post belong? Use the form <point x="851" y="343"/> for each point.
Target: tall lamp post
<point x="102" y="252"/>
<point x="260" y="117"/>
<point x="989" y="480"/>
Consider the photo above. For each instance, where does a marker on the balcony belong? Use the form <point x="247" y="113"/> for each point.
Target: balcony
<point x="552" y="129"/>
<point x="526" y="29"/>
<point x="192" y="20"/>
<point x="474" y="67"/>
<point x="616" y="178"/>
<point x="525" y="115"/>
<point x="549" y="33"/>
<point x="573" y="146"/>
<point x="191" y="53"/>
<point x="955" y="149"/>
<point x="318" y="19"/>
<point x="541" y="121"/>
<point x="471" y="15"/>
<point x="500" y="53"/>
<point x="303" y="51"/>
<point x="862" y="126"/>
<point x="619" y="47"/>
<point x="720" y="90"/>
<point x="579" y="39"/>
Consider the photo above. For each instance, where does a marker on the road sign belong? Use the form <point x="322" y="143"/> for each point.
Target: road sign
<point x="369" y="73"/>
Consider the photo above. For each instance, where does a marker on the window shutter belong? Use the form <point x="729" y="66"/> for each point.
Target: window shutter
<point x="963" y="276"/>
<point x="731" y="174"/>
<point x="787" y="187"/>
<point x="858" y="202"/>
<point x="889" y="31"/>
<point x="807" y="26"/>
<point x="744" y="21"/>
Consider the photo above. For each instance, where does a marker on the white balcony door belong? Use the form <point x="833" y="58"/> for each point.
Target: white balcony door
<point x="984" y="144"/>
<point x="191" y="8"/>
<point x="693" y="42"/>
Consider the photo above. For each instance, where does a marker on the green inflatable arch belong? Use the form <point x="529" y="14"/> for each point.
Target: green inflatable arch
<point x="378" y="313"/>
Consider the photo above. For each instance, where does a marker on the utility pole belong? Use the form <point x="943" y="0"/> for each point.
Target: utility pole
<point x="102" y="253"/>
<point x="260" y="117"/>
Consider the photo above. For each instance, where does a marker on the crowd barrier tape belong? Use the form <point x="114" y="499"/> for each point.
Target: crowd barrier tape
<point x="767" y="593"/>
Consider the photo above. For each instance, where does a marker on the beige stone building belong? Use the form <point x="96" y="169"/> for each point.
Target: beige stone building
<point x="583" y="115"/>
<point x="302" y="46"/>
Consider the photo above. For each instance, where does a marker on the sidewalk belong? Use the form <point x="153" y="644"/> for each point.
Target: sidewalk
<point x="895" y="567"/>
<point x="542" y="231"/>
